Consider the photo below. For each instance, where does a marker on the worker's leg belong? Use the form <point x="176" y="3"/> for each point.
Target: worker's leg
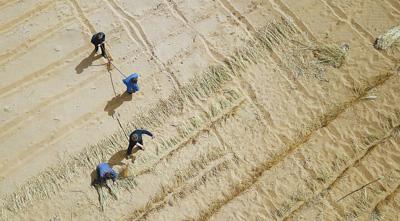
<point x="103" y="50"/>
<point x="96" y="48"/>
<point x="130" y="148"/>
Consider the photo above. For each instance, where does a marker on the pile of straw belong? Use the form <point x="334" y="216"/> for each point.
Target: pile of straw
<point x="389" y="39"/>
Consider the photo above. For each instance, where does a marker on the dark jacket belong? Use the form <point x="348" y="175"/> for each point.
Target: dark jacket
<point x="139" y="133"/>
<point x="136" y="137"/>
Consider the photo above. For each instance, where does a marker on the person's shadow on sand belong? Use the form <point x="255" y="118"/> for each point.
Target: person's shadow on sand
<point x="85" y="63"/>
<point x="118" y="159"/>
<point x="117" y="101"/>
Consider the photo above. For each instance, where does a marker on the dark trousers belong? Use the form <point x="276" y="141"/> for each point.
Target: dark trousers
<point x="131" y="146"/>
<point x="103" y="49"/>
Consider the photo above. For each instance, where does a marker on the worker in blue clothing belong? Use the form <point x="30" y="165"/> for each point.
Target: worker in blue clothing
<point x="131" y="83"/>
<point x="104" y="173"/>
<point x="136" y="139"/>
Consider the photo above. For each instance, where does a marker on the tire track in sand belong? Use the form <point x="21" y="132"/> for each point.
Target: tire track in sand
<point x="355" y="161"/>
<point x="40" y="7"/>
<point x="267" y="165"/>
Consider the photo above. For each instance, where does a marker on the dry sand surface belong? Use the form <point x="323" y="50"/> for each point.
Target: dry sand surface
<point x="261" y="110"/>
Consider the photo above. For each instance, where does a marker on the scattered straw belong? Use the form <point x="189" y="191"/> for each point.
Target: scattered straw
<point x="328" y="53"/>
<point x="388" y="40"/>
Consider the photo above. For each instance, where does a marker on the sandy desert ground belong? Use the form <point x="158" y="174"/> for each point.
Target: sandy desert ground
<point x="250" y="122"/>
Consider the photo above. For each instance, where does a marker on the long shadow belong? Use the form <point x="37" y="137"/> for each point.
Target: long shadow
<point x="117" y="101"/>
<point x="85" y="63"/>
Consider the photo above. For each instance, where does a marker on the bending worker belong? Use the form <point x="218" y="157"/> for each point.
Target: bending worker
<point x="131" y="83"/>
<point x="98" y="39"/>
<point x="135" y="139"/>
<point x="104" y="173"/>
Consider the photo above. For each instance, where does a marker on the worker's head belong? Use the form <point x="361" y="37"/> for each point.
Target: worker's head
<point x="134" y="138"/>
<point x="100" y="35"/>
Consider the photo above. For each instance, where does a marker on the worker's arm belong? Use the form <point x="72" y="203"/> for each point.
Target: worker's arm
<point x="140" y="145"/>
<point x="147" y="132"/>
<point x="114" y="175"/>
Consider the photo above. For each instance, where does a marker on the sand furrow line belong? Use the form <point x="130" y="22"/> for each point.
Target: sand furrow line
<point x="353" y="163"/>
<point x="211" y="169"/>
<point x="394" y="4"/>
<point x="211" y="51"/>
<point x="42" y="6"/>
<point x="383" y="188"/>
<point x="380" y="205"/>
<point x="42" y="145"/>
<point x="362" y="32"/>
<point x="238" y="16"/>
<point x="323" y="122"/>
<point x="283" y="9"/>
<point x="57" y="64"/>
<point x="199" y="131"/>
<point x="39" y="38"/>
<point x="83" y="19"/>
<point x="214" y="78"/>
<point x="13" y="124"/>
<point x="50" y="70"/>
<point x="140" y="36"/>
<point x="167" y="157"/>
<point x="384" y="199"/>
<point x="6" y="3"/>
<point x="135" y="24"/>
<point x="220" y="58"/>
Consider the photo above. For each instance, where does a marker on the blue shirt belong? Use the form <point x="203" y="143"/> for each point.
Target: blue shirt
<point x="104" y="168"/>
<point x="131" y="83"/>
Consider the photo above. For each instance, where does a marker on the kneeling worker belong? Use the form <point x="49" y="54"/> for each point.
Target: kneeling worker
<point x="104" y="173"/>
<point x="135" y="139"/>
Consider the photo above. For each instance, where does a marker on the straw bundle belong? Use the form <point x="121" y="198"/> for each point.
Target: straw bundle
<point x="389" y="39"/>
